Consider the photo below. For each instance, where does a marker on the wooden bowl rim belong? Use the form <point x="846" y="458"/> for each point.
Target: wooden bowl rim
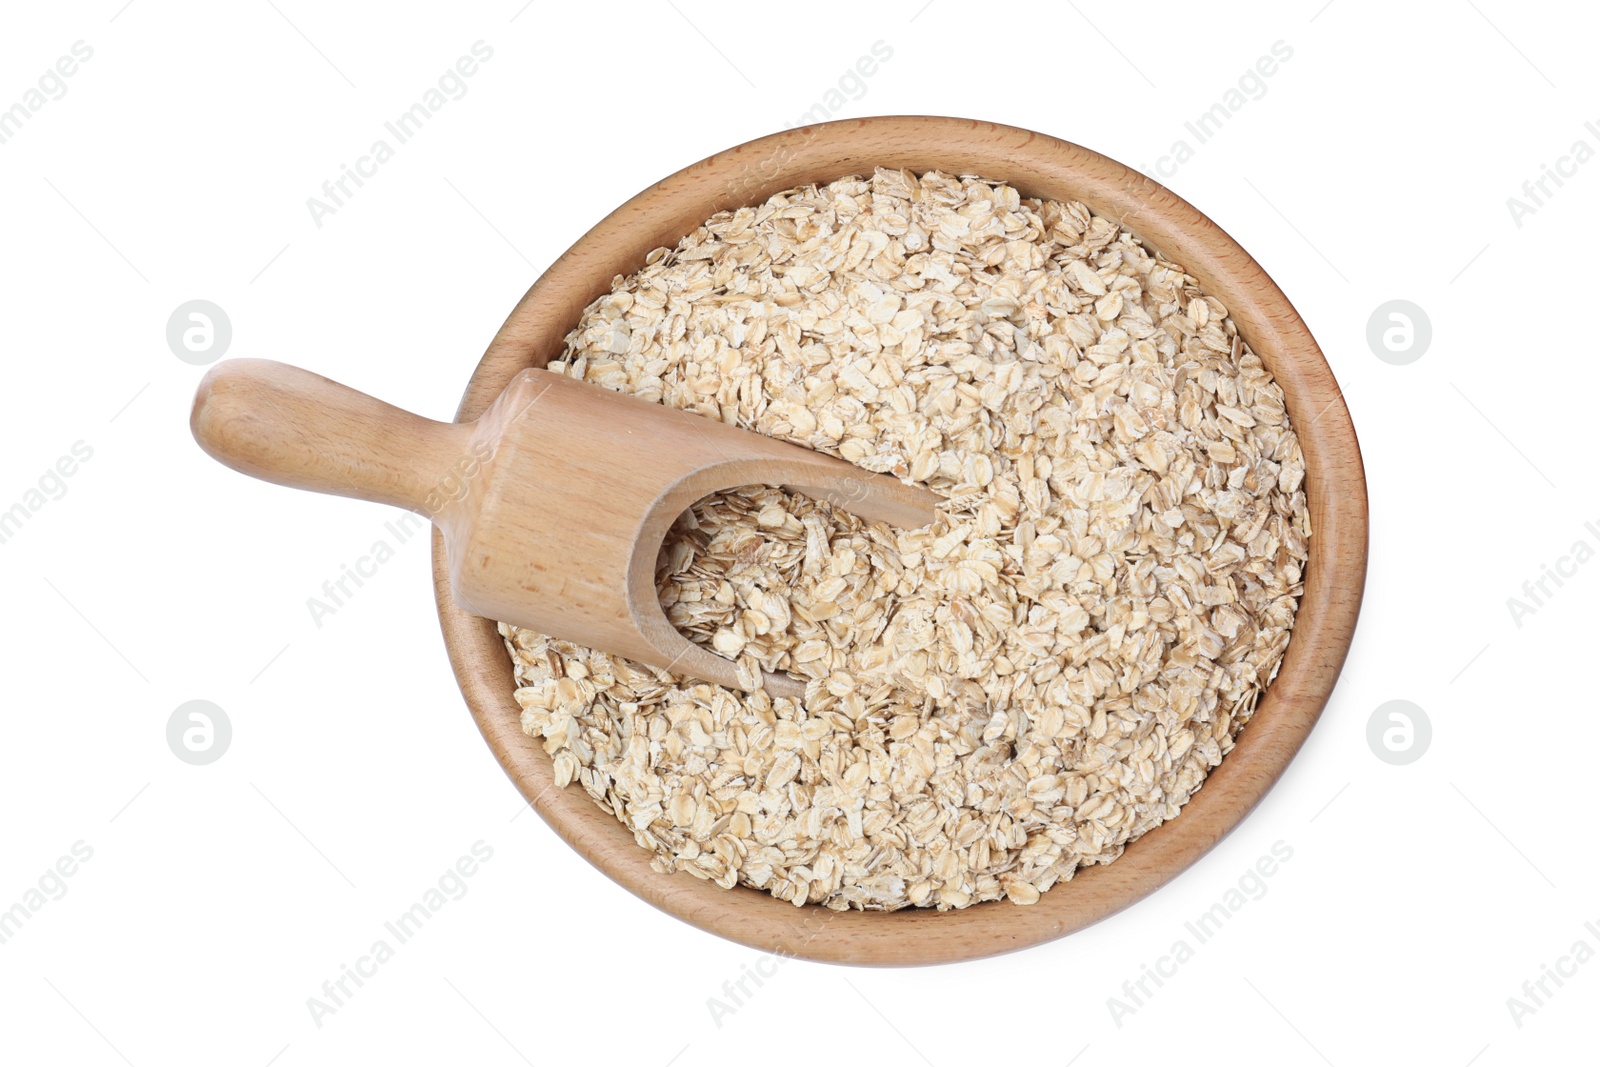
<point x="1038" y="165"/>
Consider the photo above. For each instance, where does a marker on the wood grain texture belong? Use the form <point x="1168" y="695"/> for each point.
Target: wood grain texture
<point x="1038" y="166"/>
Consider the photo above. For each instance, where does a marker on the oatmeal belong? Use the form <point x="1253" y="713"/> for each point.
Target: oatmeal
<point x="1021" y="689"/>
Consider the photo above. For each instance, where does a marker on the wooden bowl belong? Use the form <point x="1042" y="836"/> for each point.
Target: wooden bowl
<point x="1038" y="166"/>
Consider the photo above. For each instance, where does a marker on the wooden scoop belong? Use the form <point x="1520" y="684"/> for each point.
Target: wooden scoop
<point x="553" y="504"/>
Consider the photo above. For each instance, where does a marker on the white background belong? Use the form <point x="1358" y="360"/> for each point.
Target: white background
<point x="219" y="898"/>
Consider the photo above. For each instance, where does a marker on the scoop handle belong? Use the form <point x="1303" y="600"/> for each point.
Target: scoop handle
<point x="286" y="425"/>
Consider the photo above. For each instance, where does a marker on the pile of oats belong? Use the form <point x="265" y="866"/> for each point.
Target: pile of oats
<point x="1025" y="687"/>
